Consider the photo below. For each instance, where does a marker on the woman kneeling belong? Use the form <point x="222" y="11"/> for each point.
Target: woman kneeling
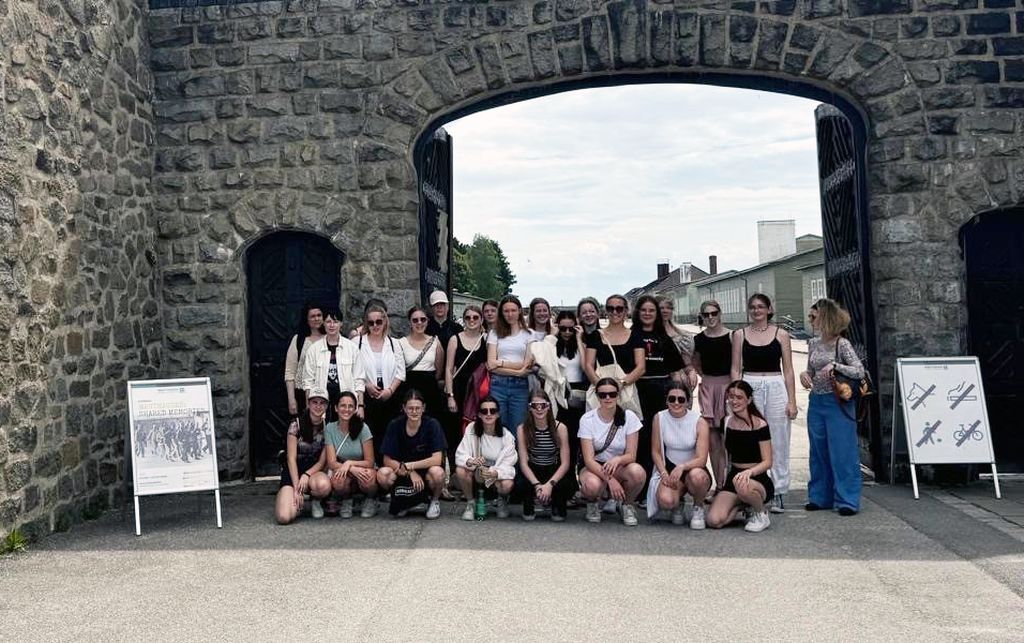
<point x="305" y="461"/>
<point x="487" y="456"/>
<point x="608" y="439"/>
<point x="349" y="449"/>
<point x="748" y="443"/>
<point x="679" y="436"/>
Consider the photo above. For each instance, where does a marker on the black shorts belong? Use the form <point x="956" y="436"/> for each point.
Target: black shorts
<point x="766" y="482"/>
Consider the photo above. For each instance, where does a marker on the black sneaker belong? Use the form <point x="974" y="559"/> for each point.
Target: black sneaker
<point x="846" y="511"/>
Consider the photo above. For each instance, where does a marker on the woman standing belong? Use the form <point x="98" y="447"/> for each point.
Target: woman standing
<point x="509" y="361"/>
<point x="311" y="329"/>
<point x="304" y="462"/>
<point x="712" y="358"/>
<point x="571" y="352"/>
<point x="540" y="318"/>
<point x="663" y="365"/>
<point x="544" y="460"/>
<point x="615" y="344"/>
<point x="681" y="338"/>
<point x="749" y="443"/>
<point x="466" y="352"/>
<point x="333" y="364"/>
<point x="350" y="460"/>
<point x="384" y="369"/>
<point x="608" y="441"/>
<point x="487" y="456"/>
<point x="831" y="425"/>
<point x="588" y="313"/>
<point x="424" y="362"/>
<point x="763" y="357"/>
<point x="490" y="311"/>
<point x="679" y="446"/>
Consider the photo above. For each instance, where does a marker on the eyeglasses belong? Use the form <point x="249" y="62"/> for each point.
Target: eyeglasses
<point x="607" y="395"/>
<point x="676" y="399"/>
<point x="615" y="309"/>
<point x="471" y="317"/>
<point x="566" y="329"/>
<point x="539" y="406"/>
<point x="490" y="410"/>
<point x="375" y="322"/>
<point x="419" y="320"/>
<point x="757" y="307"/>
<point x="709" y="314"/>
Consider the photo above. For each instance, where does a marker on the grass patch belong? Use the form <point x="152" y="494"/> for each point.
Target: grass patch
<point x="14" y="542"/>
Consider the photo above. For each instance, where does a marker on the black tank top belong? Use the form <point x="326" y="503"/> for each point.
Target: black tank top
<point x="715" y="353"/>
<point x="743" y="446"/>
<point x="461" y="381"/>
<point x="762" y="359"/>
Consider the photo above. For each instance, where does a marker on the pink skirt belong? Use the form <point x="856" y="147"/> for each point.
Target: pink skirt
<point x="711" y="395"/>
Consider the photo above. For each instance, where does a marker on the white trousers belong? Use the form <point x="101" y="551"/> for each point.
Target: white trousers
<point x="770" y="397"/>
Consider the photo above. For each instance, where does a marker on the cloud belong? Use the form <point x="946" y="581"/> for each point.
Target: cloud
<point x="587" y="190"/>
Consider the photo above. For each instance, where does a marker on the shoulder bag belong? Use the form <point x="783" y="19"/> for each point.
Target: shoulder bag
<point x="628" y="398"/>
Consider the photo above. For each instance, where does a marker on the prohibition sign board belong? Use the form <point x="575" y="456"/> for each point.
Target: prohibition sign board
<point x="944" y="412"/>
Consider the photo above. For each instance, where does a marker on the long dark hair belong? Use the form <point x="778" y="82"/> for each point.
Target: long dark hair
<point x="667" y="345"/>
<point x="307" y="430"/>
<point x="563" y="347"/>
<point x="303" y="331"/>
<point x="752" y="409"/>
<point x="530" y="425"/>
<point x="620" y="413"/>
<point x="478" y="426"/>
<point x="355" y="423"/>
<point x="501" y="327"/>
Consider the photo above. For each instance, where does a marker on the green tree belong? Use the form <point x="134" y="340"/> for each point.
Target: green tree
<point x="481" y="268"/>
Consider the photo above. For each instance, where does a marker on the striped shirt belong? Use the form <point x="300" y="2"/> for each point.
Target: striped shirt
<point x="544" y="451"/>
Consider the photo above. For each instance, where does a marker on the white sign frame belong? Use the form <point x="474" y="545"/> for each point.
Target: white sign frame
<point x="956" y="384"/>
<point x="165" y="473"/>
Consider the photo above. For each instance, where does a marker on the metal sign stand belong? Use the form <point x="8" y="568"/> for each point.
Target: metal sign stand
<point x="138" y="517"/>
<point x="897" y="400"/>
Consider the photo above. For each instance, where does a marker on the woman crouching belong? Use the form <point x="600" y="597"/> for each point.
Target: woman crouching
<point x="305" y="462"/>
<point x="748" y="443"/>
<point x="679" y="449"/>
<point x="487" y="456"/>
<point x="349" y="449"/>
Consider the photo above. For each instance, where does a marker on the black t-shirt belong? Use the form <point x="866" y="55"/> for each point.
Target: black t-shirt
<point x="443" y="332"/>
<point x="333" y="386"/>
<point x="623" y="352"/>
<point x="744" y="446"/>
<point x="715" y="353"/>
<point x="403" y="447"/>
<point x="662" y="356"/>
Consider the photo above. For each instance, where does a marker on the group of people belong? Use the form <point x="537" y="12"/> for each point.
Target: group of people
<point x="554" y="409"/>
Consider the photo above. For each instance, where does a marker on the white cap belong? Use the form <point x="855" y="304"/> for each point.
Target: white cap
<point x="316" y="391"/>
<point x="438" y="297"/>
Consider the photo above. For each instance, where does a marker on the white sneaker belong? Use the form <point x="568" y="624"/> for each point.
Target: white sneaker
<point x="679" y="515"/>
<point x="346" y="508"/>
<point x="369" y="508"/>
<point x="610" y="506"/>
<point x="434" y="510"/>
<point x="697" y="518"/>
<point x="593" y="512"/>
<point x="502" y="507"/>
<point x="469" y="513"/>
<point x="758" y="522"/>
<point x="316" y="509"/>
<point x="777" y="506"/>
<point x="629" y="514"/>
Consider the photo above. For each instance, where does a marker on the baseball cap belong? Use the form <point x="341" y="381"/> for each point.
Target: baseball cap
<point x="438" y="297"/>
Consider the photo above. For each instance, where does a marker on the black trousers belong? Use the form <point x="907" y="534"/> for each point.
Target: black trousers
<point x="559" y="495"/>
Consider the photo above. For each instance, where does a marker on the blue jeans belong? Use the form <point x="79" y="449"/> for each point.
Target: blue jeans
<point x="513" y="394"/>
<point x="835" y="454"/>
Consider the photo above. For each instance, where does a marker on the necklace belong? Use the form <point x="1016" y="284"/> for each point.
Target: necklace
<point x="759" y="330"/>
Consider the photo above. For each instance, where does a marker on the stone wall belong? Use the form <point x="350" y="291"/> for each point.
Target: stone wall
<point x="79" y="313"/>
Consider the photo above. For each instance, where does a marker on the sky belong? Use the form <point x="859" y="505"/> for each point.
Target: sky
<point x="588" y="190"/>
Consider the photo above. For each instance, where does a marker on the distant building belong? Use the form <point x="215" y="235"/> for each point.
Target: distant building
<point x="813" y="279"/>
<point x="775" y="239"/>
<point x="674" y="284"/>
<point x="459" y="302"/>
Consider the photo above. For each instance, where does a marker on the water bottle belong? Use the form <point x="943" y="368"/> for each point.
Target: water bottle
<point x="480" y="510"/>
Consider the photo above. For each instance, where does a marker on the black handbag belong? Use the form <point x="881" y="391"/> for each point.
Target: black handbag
<point x="849" y="389"/>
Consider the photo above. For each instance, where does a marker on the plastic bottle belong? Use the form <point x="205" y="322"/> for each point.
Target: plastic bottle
<point x="480" y="510"/>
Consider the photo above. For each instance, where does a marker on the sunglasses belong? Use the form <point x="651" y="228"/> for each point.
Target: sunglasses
<point x="607" y="395"/>
<point x="615" y="309"/>
<point x="710" y="313"/>
<point x="566" y="329"/>
<point x="539" y="406"/>
<point x="490" y="410"/>
<point x="471" y="317"/>
<point x="419" y="320"/>
<point x="676" y="399"/>
<point x="375" y="322"/>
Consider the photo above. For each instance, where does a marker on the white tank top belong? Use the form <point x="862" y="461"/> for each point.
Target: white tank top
<point x="679" y="435"/>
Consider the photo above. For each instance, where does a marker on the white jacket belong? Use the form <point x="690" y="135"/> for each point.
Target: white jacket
<point x="500" y="453"/>
<point x="545" y="356"/>
<point x="392" y="367"/>
<point x="317" y="359"/>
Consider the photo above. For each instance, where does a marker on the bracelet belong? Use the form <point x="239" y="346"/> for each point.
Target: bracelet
<point x="538" y="484"/>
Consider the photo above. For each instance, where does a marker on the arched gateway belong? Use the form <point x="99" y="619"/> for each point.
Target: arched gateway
<point x="304" y="115"/>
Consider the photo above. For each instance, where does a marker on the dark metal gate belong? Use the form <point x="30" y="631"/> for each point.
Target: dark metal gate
<point x="845" y="231"/>
<point x="991" y="244"/>
<point x="434" y="169"/>
<point x="285" y="270"/>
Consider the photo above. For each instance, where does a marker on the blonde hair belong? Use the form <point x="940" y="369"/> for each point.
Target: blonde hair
<point x="833" y="320"/>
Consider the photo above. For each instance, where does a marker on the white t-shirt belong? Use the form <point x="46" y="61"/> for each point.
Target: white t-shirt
<point x="572" y="368"/>
<point x="593" y="428"/>
<point x="512" y="348"/>
<point x="678" y="435"/>
<point x="410" y="353"/>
